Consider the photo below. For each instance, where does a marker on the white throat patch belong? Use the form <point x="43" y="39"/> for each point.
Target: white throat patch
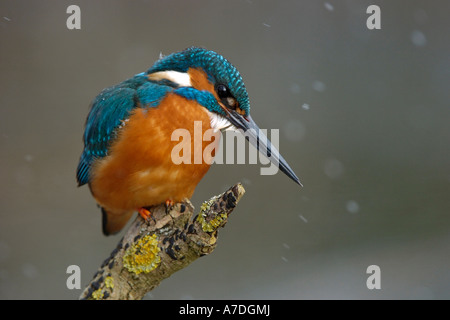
<point x="219" y="123"/>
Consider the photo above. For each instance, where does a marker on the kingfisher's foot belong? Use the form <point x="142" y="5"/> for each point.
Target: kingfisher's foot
<point x="146" y="214"/>
<point x="169" y="205"/>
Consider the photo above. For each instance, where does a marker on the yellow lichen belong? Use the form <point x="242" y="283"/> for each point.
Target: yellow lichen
<point x="109" y="282"/>
<point x="205" y="206"/>
<point x="97" y="294"/>
<point x="208" y="224"/>
<point x="143" y="256"/>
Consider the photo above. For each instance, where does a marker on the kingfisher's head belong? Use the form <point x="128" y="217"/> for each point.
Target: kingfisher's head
<point x="188" y="67"/>
<point x="216" y="84"/>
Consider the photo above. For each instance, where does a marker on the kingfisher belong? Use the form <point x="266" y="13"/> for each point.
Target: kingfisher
<point x="126" y="160"/>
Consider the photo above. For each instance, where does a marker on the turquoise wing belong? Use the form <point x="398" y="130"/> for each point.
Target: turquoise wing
<point x="109" y="110"/>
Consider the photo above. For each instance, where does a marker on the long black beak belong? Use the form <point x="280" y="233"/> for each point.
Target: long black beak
<point x="257" y="138"/>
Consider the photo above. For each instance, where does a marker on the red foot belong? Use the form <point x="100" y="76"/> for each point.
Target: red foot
<point x="144" y="213"/>
<point x="169" y="205"/>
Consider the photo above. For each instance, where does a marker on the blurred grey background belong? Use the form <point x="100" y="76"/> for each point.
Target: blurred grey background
<point x="363" y="118"/>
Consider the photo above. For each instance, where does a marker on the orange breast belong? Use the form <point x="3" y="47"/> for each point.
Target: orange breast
<point x="139" y="170"/>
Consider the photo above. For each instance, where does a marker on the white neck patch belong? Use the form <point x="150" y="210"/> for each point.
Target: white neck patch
<point x="181" y="78"/>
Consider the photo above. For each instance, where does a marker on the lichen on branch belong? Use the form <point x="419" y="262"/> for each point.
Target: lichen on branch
<point x="153" y="250"/>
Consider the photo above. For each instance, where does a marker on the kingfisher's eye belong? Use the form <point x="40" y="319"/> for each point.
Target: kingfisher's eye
<point x="225" y="96"/>
<point x="222" y="91"/>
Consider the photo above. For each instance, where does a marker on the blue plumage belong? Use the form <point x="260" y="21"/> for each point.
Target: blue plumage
<point x="150" y="94"/>
<point x="204" y="98"/>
